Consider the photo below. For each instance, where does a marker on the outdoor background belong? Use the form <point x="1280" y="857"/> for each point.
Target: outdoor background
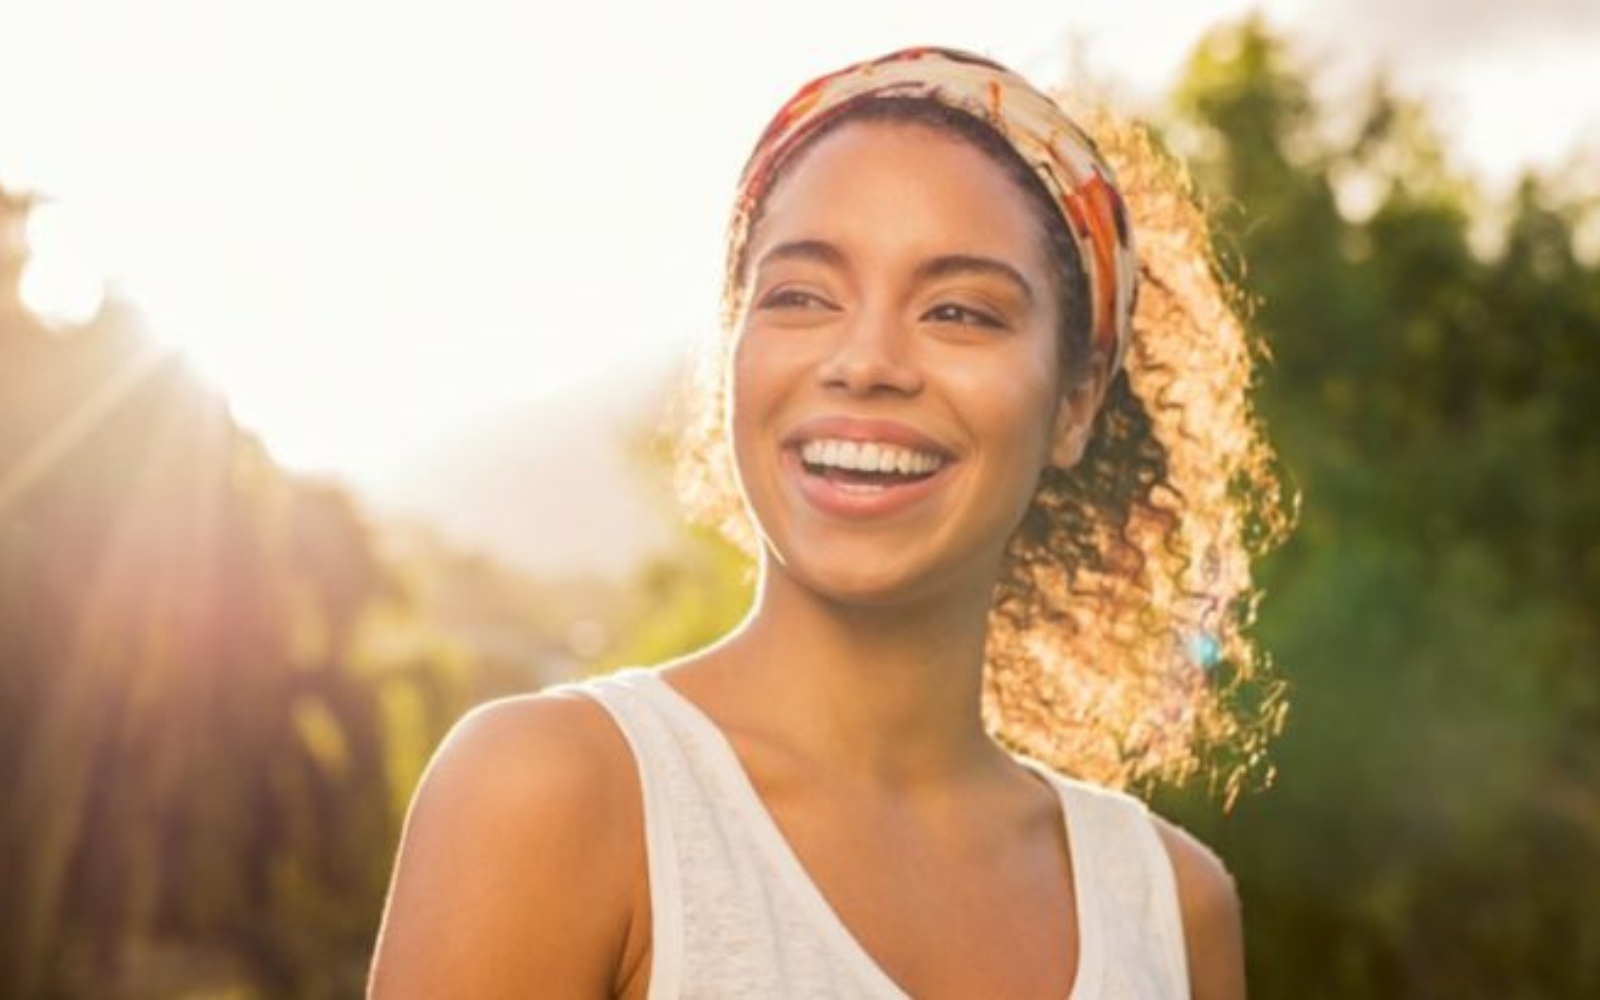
<point x="334" y="353"/>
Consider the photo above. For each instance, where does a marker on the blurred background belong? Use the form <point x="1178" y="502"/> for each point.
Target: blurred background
<point x="336" y="343"/>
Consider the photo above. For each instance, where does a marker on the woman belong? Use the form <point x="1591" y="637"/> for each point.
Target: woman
<point x="980" y="485"/>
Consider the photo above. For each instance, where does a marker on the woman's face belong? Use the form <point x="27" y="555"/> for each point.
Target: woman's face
<point x="896" y="378"/>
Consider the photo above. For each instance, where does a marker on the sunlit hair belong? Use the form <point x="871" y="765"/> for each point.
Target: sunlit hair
<point x="1118" y="647"/>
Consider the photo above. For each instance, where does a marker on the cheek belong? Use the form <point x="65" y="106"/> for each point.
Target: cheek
<point x="1017" y="409"/>
<point x="762" y="370"/>
<point x="736" y="408"/>
<point x="752" y="390"/>
<point x="1039" y="399"/>
<point x="743" y="386"/>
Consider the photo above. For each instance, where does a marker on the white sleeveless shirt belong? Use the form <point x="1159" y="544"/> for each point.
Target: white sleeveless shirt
<point x="735" y="915"/>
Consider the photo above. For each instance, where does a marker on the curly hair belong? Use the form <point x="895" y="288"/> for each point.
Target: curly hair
<point x="1118" y="647"/>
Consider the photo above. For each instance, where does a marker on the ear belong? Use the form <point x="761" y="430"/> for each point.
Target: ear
<point x="1075" y="412"/>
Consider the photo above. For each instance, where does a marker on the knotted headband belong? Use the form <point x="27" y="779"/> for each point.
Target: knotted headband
<point x="1059" y="152"/>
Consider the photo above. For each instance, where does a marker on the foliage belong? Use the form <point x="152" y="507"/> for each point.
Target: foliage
<point x="685" y="600"/>
<point x="1435" y="830"/>
<point x="216" y="690"/>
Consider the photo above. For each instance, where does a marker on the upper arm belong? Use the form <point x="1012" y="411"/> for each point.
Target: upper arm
<point x="1212" y="927"/>
<point x="516" y="868"/>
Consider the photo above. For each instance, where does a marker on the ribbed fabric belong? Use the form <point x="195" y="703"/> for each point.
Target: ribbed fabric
<point x="735" y="915"/>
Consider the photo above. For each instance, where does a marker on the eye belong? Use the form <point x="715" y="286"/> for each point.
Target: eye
<point x="794" y="299"/>
<point x="949" y="312"/>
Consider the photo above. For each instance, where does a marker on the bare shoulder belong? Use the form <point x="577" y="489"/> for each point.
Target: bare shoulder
<point x="552" y="749"/>
<point x="517" y="866"/>
<point x="1209" y="901"/>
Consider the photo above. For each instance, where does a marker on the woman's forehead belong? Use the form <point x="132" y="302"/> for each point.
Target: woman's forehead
<point x="886" y="181"/>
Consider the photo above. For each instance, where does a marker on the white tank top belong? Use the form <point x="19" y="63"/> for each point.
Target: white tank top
<point x="735" y="915"/>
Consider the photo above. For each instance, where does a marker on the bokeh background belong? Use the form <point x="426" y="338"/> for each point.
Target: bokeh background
<point x="336" y="344"/>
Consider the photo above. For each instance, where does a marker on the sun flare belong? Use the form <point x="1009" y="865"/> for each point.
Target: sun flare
<point x="62" y="285"/>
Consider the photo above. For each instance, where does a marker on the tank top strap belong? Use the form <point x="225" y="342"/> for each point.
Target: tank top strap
<point x="658" y="760"/>
<point x="734" y="913"/>
<point x="1131" y="892"/>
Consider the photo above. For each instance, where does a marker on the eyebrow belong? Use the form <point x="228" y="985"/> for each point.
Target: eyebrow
<point x="820" y="251"/>
<point x="943" y="266"/>
<point x="949" y="265"/>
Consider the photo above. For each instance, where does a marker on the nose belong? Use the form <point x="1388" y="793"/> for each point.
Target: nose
<point x="871" y="356"/>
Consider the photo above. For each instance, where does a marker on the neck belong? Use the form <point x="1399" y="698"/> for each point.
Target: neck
<point x="887" y="694"/>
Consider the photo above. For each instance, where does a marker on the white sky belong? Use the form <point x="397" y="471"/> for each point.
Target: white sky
<point x="372" y="222"/>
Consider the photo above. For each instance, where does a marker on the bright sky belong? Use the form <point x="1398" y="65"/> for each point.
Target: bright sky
<point x="372" y="222"/>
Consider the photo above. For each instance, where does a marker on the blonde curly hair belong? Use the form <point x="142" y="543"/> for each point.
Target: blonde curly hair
<point x="1118" y="647"/>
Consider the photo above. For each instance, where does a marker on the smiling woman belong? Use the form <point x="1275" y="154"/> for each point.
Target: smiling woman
<point x="1000" y="516"/>
<point x="914" y="306"/>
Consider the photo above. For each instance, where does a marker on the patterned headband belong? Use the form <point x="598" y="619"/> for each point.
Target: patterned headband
<point x="1060" y="153"/>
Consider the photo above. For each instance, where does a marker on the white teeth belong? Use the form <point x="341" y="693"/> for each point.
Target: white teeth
<point x="870" y="456"/>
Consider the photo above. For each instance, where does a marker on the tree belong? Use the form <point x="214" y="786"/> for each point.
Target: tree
<point x="1434" y="830"/>
<point x="193" y="746"/>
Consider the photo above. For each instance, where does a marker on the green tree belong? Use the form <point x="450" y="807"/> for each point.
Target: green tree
<point x="1434" y="828"/>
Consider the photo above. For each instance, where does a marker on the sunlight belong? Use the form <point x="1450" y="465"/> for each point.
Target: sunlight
<point x="365" y="261"/>
<point x="43" y="454"/>
<point x="62" y="285"/>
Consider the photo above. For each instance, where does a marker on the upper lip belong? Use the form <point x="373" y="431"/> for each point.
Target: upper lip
<point x="844" y="428"/>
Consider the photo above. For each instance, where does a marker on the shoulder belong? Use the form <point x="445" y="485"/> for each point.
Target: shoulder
<point x="556" y="748"/>
<point x="519" y="855"/>
<point x="514" y="764"/>
<point x="1209" y="904"/>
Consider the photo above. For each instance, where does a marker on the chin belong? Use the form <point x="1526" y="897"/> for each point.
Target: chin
<point x="870" y="582"/>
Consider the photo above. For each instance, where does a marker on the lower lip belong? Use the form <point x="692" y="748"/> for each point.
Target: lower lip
<point x="858" y="501"/>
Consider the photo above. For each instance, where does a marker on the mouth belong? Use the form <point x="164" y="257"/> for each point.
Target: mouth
<point x="868" y="466"/>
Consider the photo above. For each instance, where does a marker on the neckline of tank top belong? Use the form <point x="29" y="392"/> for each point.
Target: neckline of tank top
<point x="820" y="911"/>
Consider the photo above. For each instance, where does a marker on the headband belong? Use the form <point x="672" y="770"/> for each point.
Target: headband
<point x="1059" y="152"/>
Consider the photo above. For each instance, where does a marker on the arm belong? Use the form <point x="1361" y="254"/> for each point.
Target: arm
<point x="519" y="871"/>
<point x="1212" y="931"/>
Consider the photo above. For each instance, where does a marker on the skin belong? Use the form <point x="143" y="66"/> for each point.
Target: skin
<point x="851" y="694"/>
